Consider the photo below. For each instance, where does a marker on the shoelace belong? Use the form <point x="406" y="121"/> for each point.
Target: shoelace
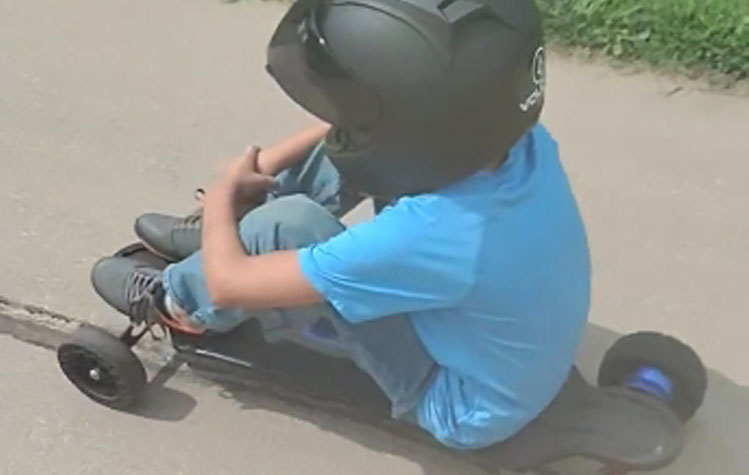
<point x="193" y="220"/>
<point x="141" y="288"/>
<point x="190" y="222"/>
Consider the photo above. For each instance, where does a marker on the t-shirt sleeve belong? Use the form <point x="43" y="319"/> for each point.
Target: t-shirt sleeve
<point x="410" y="257"/>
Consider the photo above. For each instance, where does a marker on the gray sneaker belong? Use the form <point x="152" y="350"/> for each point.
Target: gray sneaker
<point x="131" y="287"/>
<point x="170" y="237"/>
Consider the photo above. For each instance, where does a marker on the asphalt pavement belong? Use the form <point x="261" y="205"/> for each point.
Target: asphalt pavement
<point x="110" y="109"/>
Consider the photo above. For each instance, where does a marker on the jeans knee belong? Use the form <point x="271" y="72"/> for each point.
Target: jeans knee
<point x="288" y="222"/>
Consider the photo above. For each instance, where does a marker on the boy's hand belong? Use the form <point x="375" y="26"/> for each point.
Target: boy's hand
<point x="242" y="177"/>
<point x="242" y="182"/>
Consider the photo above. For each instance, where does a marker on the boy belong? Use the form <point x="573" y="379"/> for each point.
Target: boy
<point x="466" y="298"/>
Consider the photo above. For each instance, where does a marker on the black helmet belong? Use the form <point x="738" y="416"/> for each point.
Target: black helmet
<point x="420" y="93"/>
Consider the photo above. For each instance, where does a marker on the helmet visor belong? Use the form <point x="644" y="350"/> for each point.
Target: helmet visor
<point x="302" y="62"/>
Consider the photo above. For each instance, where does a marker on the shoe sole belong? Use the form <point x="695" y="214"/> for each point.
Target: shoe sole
<point x="155" y="252"/>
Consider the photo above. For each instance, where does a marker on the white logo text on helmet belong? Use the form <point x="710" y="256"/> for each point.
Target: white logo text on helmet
<point x="538" y="76"/>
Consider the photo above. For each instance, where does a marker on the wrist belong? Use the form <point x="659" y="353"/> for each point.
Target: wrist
<point x="218" y="196"/>
<point x="264" y="163"/>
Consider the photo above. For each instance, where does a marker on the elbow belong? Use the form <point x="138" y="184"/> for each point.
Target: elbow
<point x="220" y="291"/>
<point x="220" y="298"/>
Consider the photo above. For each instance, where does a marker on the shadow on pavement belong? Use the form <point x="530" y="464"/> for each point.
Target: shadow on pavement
<point x="393" y="441"/>
<point x="716" y="439"/>
<point x="164" y="403"/>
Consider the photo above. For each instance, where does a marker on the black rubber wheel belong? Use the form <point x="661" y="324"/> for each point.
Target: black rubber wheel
<point x="675" y="359"/>
<point x="102" y="367"/>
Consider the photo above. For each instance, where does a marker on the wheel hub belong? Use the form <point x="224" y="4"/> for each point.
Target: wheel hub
<point x="95" y="374"/>
<point x="84" y="369"/>
<point x="652" y="381"/>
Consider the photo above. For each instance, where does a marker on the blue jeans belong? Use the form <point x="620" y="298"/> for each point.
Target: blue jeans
<point x="304" y="210"/>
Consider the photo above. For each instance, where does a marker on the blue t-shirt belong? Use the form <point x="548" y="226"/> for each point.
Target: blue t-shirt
<point x="494" y="272"/>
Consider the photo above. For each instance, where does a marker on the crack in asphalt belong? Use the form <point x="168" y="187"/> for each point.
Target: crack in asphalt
<point x="33" y="324"/>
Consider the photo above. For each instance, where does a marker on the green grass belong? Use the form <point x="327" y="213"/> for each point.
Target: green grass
<point x="694" y="35"/>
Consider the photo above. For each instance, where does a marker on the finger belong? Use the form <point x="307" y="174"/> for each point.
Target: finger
<point x="251" y="153"/>
<point x="251" y="150"/>
<point x="260" y="183"/>
<point x="266" y="182"/>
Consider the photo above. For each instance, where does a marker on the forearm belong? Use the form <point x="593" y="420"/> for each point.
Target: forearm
<point x="221" y="246"/>
<point x="237" y="280"/>
<point x="280" y="156"/>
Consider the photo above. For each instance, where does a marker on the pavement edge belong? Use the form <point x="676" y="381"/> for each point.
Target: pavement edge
<point x="35" y="325"/>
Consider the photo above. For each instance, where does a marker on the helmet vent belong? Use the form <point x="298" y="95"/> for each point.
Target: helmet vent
<point x="456" y="10"/>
